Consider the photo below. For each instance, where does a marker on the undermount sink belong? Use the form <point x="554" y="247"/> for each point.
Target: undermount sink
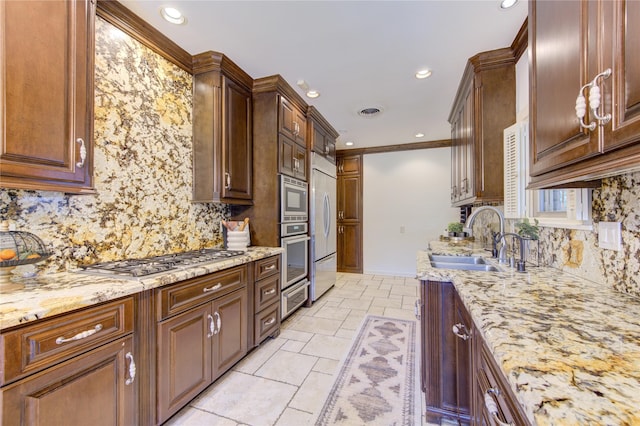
<point x="456" y="259"/>
<point x="464" y="263"/>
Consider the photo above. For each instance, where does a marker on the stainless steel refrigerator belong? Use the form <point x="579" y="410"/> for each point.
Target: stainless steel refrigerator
<point x="322" y="216"/>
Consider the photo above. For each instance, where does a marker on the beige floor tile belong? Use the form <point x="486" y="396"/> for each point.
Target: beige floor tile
<point x="292" y="417"/>
<point x="290" y="334"/>
<point x="399" y="313"/>
<point x="317" y="325"/>
<point x="332" y="313"/>
<point x="293" y="346"/>
<point x="375" y="292"/>
<point x="345" y="333"/>
<point x="313" y="393"/>
<point x="246" y="399"/>
<point x="394" y="302"/>
<point x="404" y="290"/>
<point x="288" y="367"/>
<point x="259" y="356"/>
<point x="190" y="416"/>
<point x="362" y="304"/>
<point x="326" y="366"/>
<point x="327" y="347"/>
<point x="376" y="310"/>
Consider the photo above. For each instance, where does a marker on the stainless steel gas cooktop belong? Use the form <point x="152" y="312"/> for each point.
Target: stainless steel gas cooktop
<point x="134" y="268"/>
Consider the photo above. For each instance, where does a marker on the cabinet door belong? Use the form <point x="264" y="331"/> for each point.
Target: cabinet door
<point x="184" y="363"/>
<point x="47" y="87"/>
<point x="623" y="58"/>
<point x="292" y="158"/>
<point x="464" y="358"/>
<point x="350" y="164"/>
<point x="564" y="58"/>
<point x="292" y="122"/>
<point x="230" y="342"/>
<point x="349" y="247"/>
<point x="96" y="388"/>
<point x="300" y="162"/>
<point x="237" y="147"/>
<point x="349" y="201"/>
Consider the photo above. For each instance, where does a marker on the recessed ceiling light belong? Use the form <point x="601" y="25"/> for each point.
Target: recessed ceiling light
<point x="173" y="15"/>
<point x="370" y="112"/>
<point x="506" y="4"/>
<point x="313" y="94"/>
<point x="419" y="135"/>
<point x="349" y="143"/>
<point x="423" y="73"/>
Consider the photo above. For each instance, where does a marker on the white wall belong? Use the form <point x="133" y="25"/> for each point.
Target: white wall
<point x="404" y="191"/>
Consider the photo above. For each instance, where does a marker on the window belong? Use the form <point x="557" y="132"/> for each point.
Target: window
<point x="560" y="208"/>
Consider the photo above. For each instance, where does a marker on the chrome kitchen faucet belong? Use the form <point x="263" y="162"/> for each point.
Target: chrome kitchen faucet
<point x="502" y="256"/>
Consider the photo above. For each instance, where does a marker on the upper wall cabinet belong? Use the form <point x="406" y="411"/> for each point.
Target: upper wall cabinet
<point x="222" y="131"/>
<point x="47" y="95"/>
<point x="586" y="48"/>
<point x="484" y="106"/>
<point x="321" y="135"/>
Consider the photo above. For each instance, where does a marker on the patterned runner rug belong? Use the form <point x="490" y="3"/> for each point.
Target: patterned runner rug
<point x="375" y="385"/>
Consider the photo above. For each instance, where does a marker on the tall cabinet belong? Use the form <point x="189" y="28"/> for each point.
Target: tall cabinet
<point x="483" y="107"/>
<point x="222" y="131"/>
<point x="349" y="204"/>
<point x="279" y="147"/>
<point x="47" y="95"/>
<point x="591" y="37"/>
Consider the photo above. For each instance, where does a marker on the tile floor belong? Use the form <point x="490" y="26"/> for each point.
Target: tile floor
<point x="285" y="381"/>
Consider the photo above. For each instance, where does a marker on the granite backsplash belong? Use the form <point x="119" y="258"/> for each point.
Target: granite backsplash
<point x="142" y="169"/>
<point x="577" y="251"/>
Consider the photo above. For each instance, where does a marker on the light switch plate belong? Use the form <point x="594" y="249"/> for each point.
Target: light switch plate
<point x="610" y="235"/>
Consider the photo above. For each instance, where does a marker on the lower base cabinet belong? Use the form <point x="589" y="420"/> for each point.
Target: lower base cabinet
<point x="460" y="378"/>
<point x="199" y="344"/>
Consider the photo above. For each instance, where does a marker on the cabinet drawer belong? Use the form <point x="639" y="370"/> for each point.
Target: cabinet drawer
<point x="492" y="385"/>
<point x="35" y="347"/>
<point x="267" y="291"/>
<point x="186" y="294"/>
<point x="267" y="267"/>
<point x="267" y="322"/>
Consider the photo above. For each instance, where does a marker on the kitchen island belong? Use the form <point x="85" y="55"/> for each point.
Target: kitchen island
<point x="568" y="348"/>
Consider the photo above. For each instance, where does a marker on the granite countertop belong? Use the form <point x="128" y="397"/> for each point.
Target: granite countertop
<point x="569" y="347"/>
<point x="47" y="295"/>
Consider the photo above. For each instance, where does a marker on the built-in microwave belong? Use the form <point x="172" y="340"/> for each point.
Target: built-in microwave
<point x="294" y="206"/>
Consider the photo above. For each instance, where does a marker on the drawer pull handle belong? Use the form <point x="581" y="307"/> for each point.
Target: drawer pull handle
<point x="492" y="406"/>
<point x="83" y="335"/>
<point x="270" y="268"/>
<point x="460" y="331"/>
<point x="271" y="321"/>
<point x="214" y="288"/>
<point x="416" y="309"/>
<point x="212" y="328"/>
<point x="269" y="292"/>
<point x="132" y="369"/>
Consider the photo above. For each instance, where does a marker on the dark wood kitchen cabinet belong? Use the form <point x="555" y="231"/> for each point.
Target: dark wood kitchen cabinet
<point x="483" y="107"/>
<point x="292" y="122"/>
<point x="201" y="332"/>
<point x="349" y="211"/>
<point x="47" y="85"/>
<point x="321" y="135"/>
<point x="447" y="354"/>
<point x="86" y="357"/>
<point x="589" y="37"/>
<point x="222" y="131"/>
<point x="266" y="298"/>
<point x="274" y="152"/>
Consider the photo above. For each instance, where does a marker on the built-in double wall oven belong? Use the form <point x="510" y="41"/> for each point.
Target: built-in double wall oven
<point x="294" y="239"/>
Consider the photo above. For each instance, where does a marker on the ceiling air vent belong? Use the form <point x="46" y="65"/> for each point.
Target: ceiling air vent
<point x="370" y="112"/>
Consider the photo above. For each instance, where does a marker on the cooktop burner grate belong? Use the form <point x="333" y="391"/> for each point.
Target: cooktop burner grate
<point x="159" y="264"/>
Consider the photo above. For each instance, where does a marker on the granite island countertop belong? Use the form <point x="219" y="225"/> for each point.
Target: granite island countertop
<point x="569" y="347"/>
<point x="52" y="294"/>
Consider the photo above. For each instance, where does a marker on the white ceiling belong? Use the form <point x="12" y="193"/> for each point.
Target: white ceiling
<point x="356" y="53"/>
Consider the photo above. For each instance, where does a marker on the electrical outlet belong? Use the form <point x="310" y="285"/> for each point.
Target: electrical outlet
<point x="610" y="235"/>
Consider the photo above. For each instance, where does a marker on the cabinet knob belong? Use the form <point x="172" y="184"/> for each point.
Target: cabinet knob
<point x="212" y="328"/>
<point x="82" y="335"/>
<point x="227" y="178"/>
<point x="83" y="152"/>
<point x="416" y="309"/>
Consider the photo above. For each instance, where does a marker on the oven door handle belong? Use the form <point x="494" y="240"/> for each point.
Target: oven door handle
<point x="295" y="239"/>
